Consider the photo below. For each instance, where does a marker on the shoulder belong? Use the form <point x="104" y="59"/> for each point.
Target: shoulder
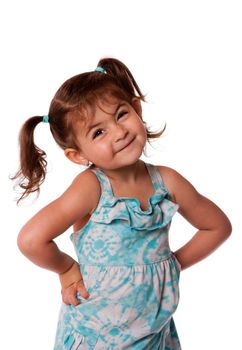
<point x="176" y="184"/>
<point x="181" y="190"/>
<point x="197" y="209"/>
<point x="79" y="199"/>
<point x="86" y="179"/>
<point x="85" y="189"/>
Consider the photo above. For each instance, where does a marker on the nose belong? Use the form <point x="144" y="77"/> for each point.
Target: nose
<point x="119" y="133"/>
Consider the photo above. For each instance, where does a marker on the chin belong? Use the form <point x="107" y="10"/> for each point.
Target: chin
<point x="130" y="159"/>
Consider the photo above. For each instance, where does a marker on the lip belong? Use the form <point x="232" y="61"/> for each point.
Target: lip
<point x="126" y="144"/>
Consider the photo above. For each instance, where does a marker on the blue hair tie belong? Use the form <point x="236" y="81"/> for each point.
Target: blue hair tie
<point x="45" y="119"/>
<point x="100" y="69"/>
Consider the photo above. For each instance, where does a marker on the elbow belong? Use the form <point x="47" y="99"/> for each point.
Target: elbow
<point x="226" y="229"/>
<point x="25" y="242"/>
<point x="229" y="229"/>
<point x="22" y="242"/>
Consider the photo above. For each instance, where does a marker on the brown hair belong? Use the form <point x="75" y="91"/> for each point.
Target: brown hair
<point x="76" y="93"/>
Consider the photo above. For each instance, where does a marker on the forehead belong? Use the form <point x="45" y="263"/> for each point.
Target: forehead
<point x="106" y="104"/>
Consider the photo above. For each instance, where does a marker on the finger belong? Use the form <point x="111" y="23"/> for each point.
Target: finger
<point x="82" y="290"/>
<point x="74" y="301"/>
<point x="70" y="298"/>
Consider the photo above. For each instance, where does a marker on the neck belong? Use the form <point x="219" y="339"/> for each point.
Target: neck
<point x="128" y="174"/>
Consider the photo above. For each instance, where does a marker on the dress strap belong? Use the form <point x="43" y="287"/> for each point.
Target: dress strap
<point x="104" y="183"/>
<point x="156" y="179"/>
<point x="107" y="192"/>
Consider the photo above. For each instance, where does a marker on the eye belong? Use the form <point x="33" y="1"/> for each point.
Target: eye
<point x="97" y="133"/>
<point x="121" y="114"/>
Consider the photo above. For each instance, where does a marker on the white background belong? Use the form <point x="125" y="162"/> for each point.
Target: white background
<point x="186" y="56"/>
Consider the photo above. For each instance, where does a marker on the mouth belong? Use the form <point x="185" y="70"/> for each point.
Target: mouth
<point x="126" y="145"/>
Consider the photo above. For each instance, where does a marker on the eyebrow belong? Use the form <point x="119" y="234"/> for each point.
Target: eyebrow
<point x="92" y="126"/>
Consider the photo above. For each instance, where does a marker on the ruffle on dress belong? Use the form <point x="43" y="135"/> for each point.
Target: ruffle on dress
<point x="158" y="215"/>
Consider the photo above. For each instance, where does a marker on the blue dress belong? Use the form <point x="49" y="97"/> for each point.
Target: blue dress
<point x="130" y="273"/>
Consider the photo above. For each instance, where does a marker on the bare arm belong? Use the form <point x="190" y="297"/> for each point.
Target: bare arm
<point x="36" y="238"/>
<point x="213" y="226"/>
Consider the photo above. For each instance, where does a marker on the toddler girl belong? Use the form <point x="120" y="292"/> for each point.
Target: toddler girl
<point x="123" y="291"/>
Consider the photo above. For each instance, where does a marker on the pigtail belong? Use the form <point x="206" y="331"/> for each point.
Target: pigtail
<point x="69" y="105"/>
<point x="32" y="171"/>
<point x="122" y="76"/>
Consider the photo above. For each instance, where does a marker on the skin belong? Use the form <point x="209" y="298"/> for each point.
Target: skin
<point x="114" y="141"/>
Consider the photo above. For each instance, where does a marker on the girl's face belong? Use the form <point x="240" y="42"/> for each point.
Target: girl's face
<point x="115" y="136"/>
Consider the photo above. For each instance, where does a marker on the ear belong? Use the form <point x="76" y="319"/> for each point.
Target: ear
<point x="76" y="156"/>
<point x="137" y="106"/>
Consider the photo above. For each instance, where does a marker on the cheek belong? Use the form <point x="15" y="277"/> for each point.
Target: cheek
<point x="101" y="148"/>
<point x="141" y="129"/>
